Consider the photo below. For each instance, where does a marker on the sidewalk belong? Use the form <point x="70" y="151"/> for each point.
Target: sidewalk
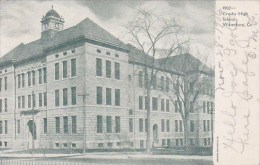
<point x="107" y="155"/>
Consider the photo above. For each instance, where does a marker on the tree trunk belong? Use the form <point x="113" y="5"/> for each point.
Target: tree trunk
<point x="148" y="141"/>
<point x="186" y="132"/>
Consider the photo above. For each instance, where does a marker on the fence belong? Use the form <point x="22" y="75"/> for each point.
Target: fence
<point x="41" y="162"/>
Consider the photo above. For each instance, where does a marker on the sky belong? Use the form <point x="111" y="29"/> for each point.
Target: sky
<point x="20" y="20"/>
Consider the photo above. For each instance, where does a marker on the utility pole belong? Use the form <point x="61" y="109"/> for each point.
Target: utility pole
<point x="84" y="95"/>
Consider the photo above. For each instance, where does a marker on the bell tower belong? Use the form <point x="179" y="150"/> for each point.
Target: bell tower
<point x="52" y="22"/>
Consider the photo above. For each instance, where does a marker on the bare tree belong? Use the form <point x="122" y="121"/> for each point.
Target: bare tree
<point x="184" y="90"/>
<point x="153" y="34"/>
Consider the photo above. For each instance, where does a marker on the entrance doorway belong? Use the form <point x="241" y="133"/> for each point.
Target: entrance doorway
<point x="155" y="134"/>
<point x="32" y="129"/>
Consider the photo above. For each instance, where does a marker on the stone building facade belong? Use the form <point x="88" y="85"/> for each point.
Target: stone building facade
<point x="50" y="87"/>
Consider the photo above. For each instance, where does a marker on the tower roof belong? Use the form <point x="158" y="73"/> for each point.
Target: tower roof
<point x="52" y="13"/>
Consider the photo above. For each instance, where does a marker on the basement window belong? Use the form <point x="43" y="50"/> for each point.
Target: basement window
<point x="108" y="53"/>
<point x="118" y="143"/>
<point x="100" y="144"/>
<point x="65" y="145"/>
<point x="109" y="144"/>
<point x="74" y="145"/>
<point x="57" y="144"/>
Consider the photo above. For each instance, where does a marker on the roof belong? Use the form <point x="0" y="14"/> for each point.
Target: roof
<point x="52" y="13"/>
<point x="185" y="63"/>
<point x="86" y="28"/>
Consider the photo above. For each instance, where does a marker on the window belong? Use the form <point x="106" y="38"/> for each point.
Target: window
<point x="141" y="125"/>
<point x="45" y="126"/>
<point x="99" y="124"/>
<point x="162" y="105"/>
<point x="117" y="55"/>
<point x="5" y="104"/>
<point x="208" y="104"/>
<point x="131" y="125"/>
<point x="19" y="81"/>
<point x="6" y="127"/>
<point x="204" y="107"/>
<point x="108" y="53"/>
<point x="141" y="143"/>
<point x="155" y="104"/>
<point x="23" y="101"/>
<point x="23" y="81"/>
<point x="1" y="105"/>
<point x="65" y="69"/>
<point x="117" y="71"/>
<point x="40" y="99"/>
<point x="109" y="144"/>
<point x="64" y="53"/>
<point x="168" y="125"/>
<point x="140" y="102"/>
<point x="100" y="144"/>
<point x="108" y="69"/>
<point x="74" y="124"/>
<point x="176" y="126"/>
<point x="73" y="67"/>
<point x="167" y="105"/>
<point x="44" y="75"/>
<point x="163" y="142"/>
<point x="117" y="128"/>
<point x="73" y="51"/>
<point x="57" y="98"/>
<point x="146" y="125"/>
<point x="73" y="96"/>
<point x="98" y="51"/>
<point x="167" y="84"/>
<point x="191" y="107"/>
<point x="29" y="101"/>
<point x="65" y="124"/>
<point x="0" y="84"/>
<point x="45" y="98"/>
<point x="146" y="103"/>
<point x="205" y="141"/>
<point x="140" y="79"/>
<point x="65" y="96"/>
<point x="57" y="71"/>
<point x="40" y="76"/>
<point x="29" y="79"/>
<point x="18" y="127"/>
<point x="212" y="107"/>
<point x="19" y="102"/>
<point x="57" y="56"/>
<point x="57" y="124"/>
<point x="33" y="77"/>
<point x="192" y="126"/>
<point x="99" y="95"/>
<point x="208" y="125"/>
<point x="5" y="83"/>
<point x="108" y="96"/>
<point x="33" y="100"/>
<point x="162" y="125"/>
<point x="1" y="127"/>
<point x="162" y="83"/>
<point x="109" y="124"/>
<point x="180" y="123"/>
<point x="117" y="97"/>
<point x="204" y="126"/>
<point x="98" y="67"/>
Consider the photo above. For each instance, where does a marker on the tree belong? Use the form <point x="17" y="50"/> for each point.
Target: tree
<point x="185" y="89"/>
<point x="152" y="35"/>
